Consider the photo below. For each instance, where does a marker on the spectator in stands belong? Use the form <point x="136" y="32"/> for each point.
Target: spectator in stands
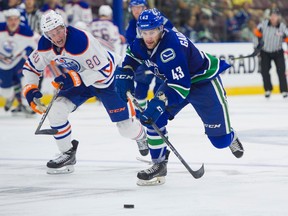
<point x="247" y="33"/>
<point x="243" y="15"/>
<point x="272" y="31"/>
<point x="232" y="27"/>
<point x="170" y="9"/>
<point x="239" y="3"/>
<point x="188" y="29"/>
<point x="204" y="33"/>
<point x="185" y="13"/>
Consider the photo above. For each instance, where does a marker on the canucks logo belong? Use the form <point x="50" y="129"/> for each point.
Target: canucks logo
<point x="167" y="55"/>
<point x="69" y="64"/>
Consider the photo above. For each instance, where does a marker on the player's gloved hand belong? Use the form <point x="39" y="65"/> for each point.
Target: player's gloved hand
<point x="124" y="82"/>
<point x="153" y="111"/>
<point x="67" y="80"/>
<point x="33" y="95"/>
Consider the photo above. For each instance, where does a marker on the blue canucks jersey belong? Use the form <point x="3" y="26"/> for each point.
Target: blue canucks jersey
<point x="177" y="61"/>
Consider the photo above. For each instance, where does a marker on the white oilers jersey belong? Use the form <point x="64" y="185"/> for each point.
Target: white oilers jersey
<point x="79" y="11"/>
<point x="81" y="53"/>
<point x="107" y="33"/>
<point x="13" y="46"/>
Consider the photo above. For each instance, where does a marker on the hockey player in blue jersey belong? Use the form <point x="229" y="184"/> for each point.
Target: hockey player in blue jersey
<point x="143" y="76"/>
<point x="89" y="72"/>
<point x="16" y="40"/>
<point x="190" y="77"/>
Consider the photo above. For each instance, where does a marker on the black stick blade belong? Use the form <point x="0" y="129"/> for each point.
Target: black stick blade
<point x="198" y="173"/>
<point x="46" y="132"/>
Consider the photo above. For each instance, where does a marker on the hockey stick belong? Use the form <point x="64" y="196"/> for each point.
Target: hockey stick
<point x="47" y="131"/>
<point x="55" y="70"/>
<point x="196" y="174"/>
<point x="255" y="53"/>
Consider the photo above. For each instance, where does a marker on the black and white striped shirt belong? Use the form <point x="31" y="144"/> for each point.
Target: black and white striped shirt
<point x="273" y="36"/>
<point x="34" y="19"/>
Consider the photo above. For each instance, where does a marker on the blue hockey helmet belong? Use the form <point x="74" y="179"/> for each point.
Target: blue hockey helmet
<point x="138" y="3"/>
<point x="150" y="19"/>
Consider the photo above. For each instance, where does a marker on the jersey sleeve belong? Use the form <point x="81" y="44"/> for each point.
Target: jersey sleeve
<point x="34" y="67"/>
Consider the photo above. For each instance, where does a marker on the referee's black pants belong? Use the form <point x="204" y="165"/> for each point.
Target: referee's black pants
<point x="278" y="58"/>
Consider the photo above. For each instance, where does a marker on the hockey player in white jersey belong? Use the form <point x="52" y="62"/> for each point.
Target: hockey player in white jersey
<point x="15" y="41"/>
<point x="105" y="31"/>
<point x="78" y="11"/>
<point x="89" y="72"/>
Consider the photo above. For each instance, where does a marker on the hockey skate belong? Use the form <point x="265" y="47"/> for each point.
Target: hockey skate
<point x="154" y="175"/>
<point x="236" y="147"/>
<point x="143" y="146"/>
<point x="63" y="164"/>
<point x="8" y="104"/>
<point x="21" y="110"/>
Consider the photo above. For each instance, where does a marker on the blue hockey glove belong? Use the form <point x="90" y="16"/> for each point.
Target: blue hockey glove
<point x="67" y="80"/>
<point x="154" y="110"/>
<point x="33" y="95"/>
<point x="124" y="82"/>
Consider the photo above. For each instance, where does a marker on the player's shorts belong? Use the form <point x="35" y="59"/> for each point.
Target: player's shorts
<point x="209" y="101"/>
<point x="117" y="109"/>
<point x="9" y="78"/>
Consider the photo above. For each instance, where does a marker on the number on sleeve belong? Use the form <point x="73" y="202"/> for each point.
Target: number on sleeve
<point x="177" y="73"/>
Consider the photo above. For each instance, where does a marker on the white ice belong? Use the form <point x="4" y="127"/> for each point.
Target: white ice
<point x="105" y="174"/>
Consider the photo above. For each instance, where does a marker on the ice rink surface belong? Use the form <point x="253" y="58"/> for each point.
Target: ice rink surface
<point x="105" y="175"/>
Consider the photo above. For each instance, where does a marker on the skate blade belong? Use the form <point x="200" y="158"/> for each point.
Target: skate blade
<point x="144" y="161"/>
<point x="152" y="182"/>
<point x="21" y="114"/>
<point x="63" y="170"/>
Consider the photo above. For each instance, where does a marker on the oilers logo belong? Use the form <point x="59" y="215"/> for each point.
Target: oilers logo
<point x="9" y="46"/>
<point x="69" y="64"/>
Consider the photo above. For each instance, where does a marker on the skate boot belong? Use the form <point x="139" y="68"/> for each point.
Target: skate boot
<point x="236" y="147"/>
<point x="154" y="175"/>
<point x="143" y="146"/>
<point x="63" y="164"/>
<point x="267" y="94"/>
<point x="21" y="110"/>
<point x="8" y="104"/>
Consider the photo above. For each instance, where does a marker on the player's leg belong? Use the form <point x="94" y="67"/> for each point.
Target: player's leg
<point x="155" y="175"/>
<point x="123" y="114"/>
<point x="66" y="103"/>
<point x="7" y="90"/>
<point x="22" y="109"/>
<point x="209" y="101"/>
<point x="265" y="68"/>
<point x="280" y="68"/>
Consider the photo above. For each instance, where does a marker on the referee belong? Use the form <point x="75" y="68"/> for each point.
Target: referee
<point x="272" y="31"/>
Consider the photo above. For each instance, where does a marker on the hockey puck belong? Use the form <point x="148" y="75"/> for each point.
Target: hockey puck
<point x="128" y="206"/>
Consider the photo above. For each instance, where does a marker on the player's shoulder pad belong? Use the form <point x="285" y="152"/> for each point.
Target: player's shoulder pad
<point x="26" y="31"/>
<point x="44" y="44"/>
<point x="77" y="41"/>
<point x="168" y="53"/>
<point x="83" y="4"/>
<point x="2" y="26"/>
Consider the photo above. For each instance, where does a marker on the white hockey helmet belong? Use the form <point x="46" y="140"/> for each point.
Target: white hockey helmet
<point x="11" y="12"/>
<point x="50" y="21"/>
<point x="105" y="10"/>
